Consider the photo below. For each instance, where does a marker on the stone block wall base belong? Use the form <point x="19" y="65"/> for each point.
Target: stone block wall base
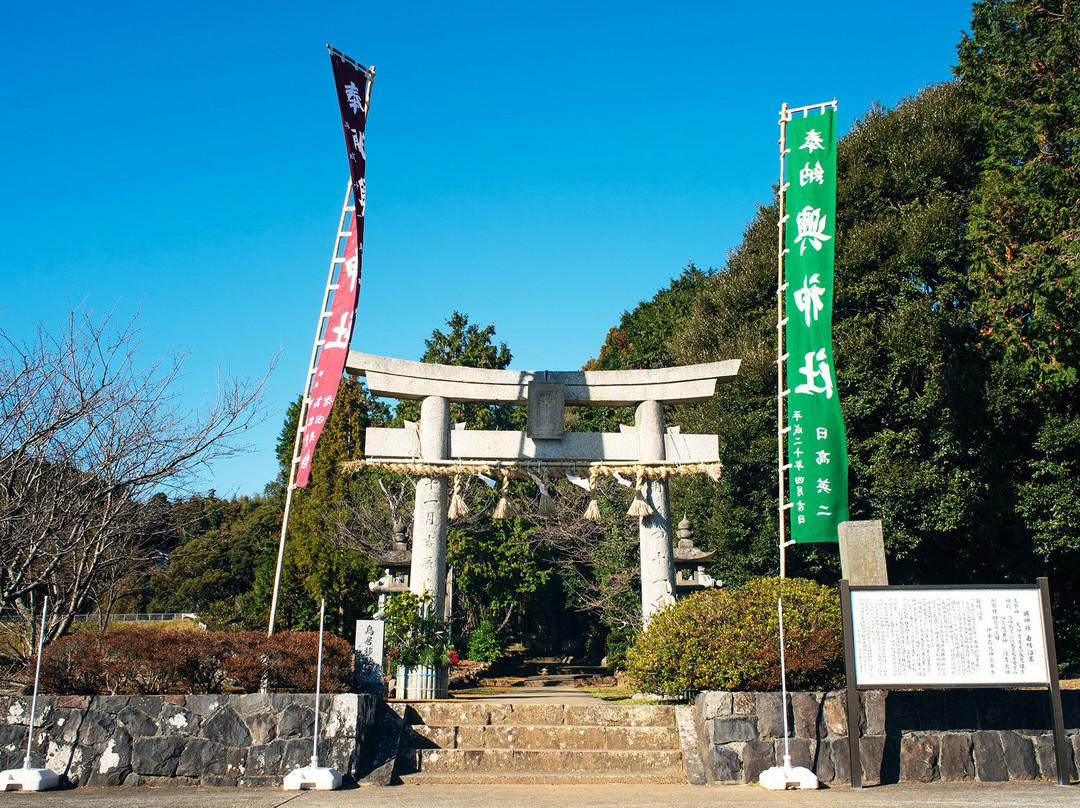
<point x="213" y="740"/>
<point x="917" y="736"/>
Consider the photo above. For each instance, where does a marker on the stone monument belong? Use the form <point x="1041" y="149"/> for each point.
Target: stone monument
<point x="862" y="553"/>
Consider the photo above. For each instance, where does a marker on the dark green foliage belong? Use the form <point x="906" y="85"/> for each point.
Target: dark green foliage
<point x="735" y="317"/>
<point x="319" y="562"/>
<point x="213" y="566"/>
<point x="484" y="644"/>
<point x="414" y="635"/>
<point x="497" y="569"/>
<point x="912" y="379"/>
<point x="1019" y="64"/>
<point x="467" y="345"/>
<point x="596" y="562"/>
<point x="315" y="568"/>
<point x="729" y="639"/>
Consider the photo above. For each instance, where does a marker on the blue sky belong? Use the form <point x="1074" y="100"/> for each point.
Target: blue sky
<point x="540" y="165"/>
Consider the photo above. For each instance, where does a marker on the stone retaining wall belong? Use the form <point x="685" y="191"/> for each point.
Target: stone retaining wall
<point x="246" y="739"/>
<point x="919" y="736"/>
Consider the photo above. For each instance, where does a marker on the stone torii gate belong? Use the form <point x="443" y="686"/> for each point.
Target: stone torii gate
<point x="437" y="442"/>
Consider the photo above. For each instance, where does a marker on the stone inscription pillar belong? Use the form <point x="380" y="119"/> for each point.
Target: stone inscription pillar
<point x="654" y="532"/>
<point x="428" y="570"/>
<point x="862" y="553"/>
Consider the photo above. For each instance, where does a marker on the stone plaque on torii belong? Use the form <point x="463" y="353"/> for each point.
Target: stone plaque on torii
<point x="434" y="447"/>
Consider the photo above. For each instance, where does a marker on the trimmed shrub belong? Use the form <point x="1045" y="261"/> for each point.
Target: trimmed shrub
<point x="484" y="644"/>
<point x="141" y="660"/>
<point x="291" y="656"/>
<point x="73" y="664"/>
<point x="730" y="640"/>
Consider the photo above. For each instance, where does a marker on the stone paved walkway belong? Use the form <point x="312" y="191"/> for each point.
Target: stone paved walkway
<point x="951" y="795"/>
<point x="537" y="695"/>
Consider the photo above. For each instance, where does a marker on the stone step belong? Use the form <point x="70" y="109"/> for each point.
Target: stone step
<point x="538" y="778"/>
<point x="483" y="713"/>
<point x="554" y="680"/>
<point x="500" y="761"/>
<point x="551" y="737"/>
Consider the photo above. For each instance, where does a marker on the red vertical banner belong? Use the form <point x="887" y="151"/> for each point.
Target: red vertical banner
<point x="353" y="84"/>
<point x="332" y="354"/>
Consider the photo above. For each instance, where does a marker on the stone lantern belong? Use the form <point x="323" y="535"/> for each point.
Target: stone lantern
<point x="396" y="562"/>
<point x="690" y="575"/>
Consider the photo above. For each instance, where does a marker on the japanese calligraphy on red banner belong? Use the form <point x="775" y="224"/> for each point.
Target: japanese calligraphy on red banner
<point x="353" y="84"/>
<point x="332" y="354"/>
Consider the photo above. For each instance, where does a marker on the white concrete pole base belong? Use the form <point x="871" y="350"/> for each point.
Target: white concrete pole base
<point x="312" y="778"/>
<point x="28" y="780"/>
<point x="781" y="778"/>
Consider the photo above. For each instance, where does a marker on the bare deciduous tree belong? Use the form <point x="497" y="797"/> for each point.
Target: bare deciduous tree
<point x="596" y="560"/>
<point x="87" y="434"/>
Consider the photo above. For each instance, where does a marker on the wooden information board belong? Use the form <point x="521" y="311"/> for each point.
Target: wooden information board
<point x="949" y="638"/>
<point x="914" y="637"/>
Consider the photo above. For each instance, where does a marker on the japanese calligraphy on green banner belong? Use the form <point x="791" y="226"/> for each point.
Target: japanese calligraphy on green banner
<point x="816" y="446"/>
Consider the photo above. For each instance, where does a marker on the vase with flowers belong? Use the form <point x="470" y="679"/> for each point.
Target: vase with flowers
<point x="420" y="652"/>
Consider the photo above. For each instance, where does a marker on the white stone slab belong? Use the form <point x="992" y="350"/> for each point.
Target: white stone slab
<point x="479" y="444"/>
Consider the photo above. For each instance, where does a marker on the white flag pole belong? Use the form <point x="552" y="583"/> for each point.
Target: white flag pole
<point x="780" y="778"/>
<point x="37" y="679"/>
<point x="322" y="778"/>
<point x="28" y="778"/>
<point x="783" y="683"/>
<point x="318" y="688"/>
<point x="786" y="776"/>
<point x="781" y="357"/>
<point x="336" y="262"/>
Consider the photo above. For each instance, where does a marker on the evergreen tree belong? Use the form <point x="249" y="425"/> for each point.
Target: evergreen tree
<point x="1019" y="65"/>
<point x="467" y="345"/>
<point x="212" y="569"/>
<point x="319" y="562"/>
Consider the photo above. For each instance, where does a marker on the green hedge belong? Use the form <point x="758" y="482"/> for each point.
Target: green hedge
<point x="729" y="639"/>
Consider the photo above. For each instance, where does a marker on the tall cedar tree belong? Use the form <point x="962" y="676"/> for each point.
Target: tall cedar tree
<point x="1019" y="65"/>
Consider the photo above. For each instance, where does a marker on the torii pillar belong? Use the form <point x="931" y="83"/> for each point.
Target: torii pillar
<point x="428" y="571"/>
<point x="654" y="531"/>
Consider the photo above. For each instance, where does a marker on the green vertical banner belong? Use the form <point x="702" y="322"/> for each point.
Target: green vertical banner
<point x="817" y="448"/>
